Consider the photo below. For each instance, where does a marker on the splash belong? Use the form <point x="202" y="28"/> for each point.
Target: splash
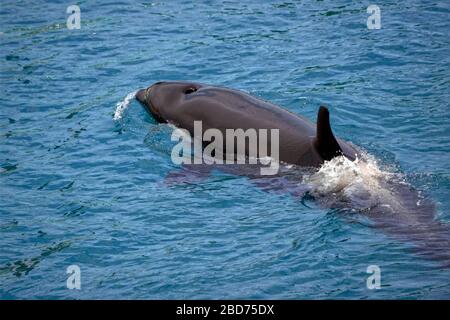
<point x="121" y="106"/>
<point x="359" y="184"/>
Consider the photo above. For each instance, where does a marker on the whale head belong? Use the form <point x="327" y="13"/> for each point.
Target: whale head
<point x="163" y="97"/>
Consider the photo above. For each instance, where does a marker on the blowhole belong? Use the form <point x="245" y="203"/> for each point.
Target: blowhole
<point x="190" y="90"/>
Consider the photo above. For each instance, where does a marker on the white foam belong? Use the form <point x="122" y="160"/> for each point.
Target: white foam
<point x="361" y="183"/>
<point x="121" y="106"/>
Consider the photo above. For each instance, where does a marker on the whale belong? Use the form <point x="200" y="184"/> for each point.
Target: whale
<point x="339" y="174"/>
<point x="301" y="142"/>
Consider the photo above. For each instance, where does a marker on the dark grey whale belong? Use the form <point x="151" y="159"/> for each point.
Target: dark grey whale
<point x="301" y="142"/>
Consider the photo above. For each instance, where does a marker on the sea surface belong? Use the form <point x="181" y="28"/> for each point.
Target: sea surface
<point x="81" y="186"/>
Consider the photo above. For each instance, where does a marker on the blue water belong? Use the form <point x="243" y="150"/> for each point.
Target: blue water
<point x="77" y="187"/>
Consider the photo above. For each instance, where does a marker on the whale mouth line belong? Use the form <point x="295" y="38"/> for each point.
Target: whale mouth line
<point x="141" y="95"/>
<point x="147" y="92"/>
<point x="147" y="102"/>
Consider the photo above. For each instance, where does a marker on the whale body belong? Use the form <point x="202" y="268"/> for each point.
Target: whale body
<point x="300" y="141"/>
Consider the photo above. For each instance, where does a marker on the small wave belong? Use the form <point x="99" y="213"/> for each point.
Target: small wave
<point x="121" y="106"/>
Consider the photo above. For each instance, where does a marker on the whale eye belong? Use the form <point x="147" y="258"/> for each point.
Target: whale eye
<point x="190" y="90"/>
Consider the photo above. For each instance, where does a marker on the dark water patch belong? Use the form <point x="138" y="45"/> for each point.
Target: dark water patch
<point x="11" y="57"/>
<point x="43" y="186"/>
<point x="9" y="225"/>
<point x="67" y="187"/>
<point x="22" y="267"/>
<point x="8" y="168"/>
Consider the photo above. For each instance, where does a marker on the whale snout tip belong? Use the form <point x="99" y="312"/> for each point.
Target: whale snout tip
<point x="140" y="95"/>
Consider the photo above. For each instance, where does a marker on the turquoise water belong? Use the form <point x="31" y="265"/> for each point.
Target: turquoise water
<point x="78" y="187"/>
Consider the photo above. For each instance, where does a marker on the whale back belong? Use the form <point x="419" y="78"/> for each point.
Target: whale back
<point x="301" y="142"/>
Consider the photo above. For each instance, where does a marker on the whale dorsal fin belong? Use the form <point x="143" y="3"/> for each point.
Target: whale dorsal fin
<point x="325" y="142"/>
